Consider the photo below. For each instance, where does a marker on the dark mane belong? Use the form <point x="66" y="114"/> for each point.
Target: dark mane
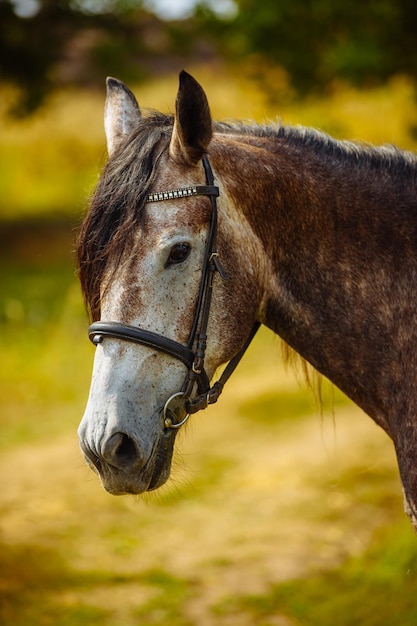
<point x="322" y="144"/>
<point x="118" y="200"/>
<point x="117" y="203"/>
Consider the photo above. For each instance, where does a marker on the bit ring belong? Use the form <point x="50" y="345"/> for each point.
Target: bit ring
<point x="168" y="423"/>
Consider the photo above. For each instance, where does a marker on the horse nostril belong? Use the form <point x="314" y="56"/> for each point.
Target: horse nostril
<point x="91" y="456"/>
<point x="120" y="451"/>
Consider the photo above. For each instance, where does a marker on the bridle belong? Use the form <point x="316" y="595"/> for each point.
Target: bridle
<point x="193" y="353"/>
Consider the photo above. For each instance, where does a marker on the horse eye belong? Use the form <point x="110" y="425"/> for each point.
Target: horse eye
<point x="178" y="253"/>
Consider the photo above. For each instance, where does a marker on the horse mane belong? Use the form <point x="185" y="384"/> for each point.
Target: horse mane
<point x="117" y="203"/>
<point x="364" y="154"/>
<point x="118" y="200"/>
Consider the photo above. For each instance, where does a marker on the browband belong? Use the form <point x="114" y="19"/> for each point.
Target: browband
<point x="184" y="192"/>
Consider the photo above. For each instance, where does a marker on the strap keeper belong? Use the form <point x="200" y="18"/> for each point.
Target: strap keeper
<point x="214" y="392"/>
<point x="215" y="262"/>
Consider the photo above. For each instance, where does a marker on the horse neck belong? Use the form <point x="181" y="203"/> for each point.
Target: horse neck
<point x="340" y="237"/>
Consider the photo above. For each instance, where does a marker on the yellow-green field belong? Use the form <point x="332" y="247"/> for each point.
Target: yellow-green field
<point x="277" y="514"/>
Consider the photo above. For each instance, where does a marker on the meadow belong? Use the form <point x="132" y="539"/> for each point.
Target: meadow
<point x="278" y="513"/>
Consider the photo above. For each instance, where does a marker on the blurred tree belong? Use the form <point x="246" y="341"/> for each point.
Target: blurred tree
<point x="48" y="43"/>
<point x="317" y="41"/>
<point x="30" y="45"/>
<point x="45" y="44"/>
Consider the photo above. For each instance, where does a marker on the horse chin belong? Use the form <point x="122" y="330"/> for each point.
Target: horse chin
<point x="163" y="460"/>
<point x="121" y="484"/>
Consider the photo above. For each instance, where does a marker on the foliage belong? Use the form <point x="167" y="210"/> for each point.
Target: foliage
<point x="320" y="41"/>
<point x="49" y="161"/>
<point x="76" y="42"/>
<point x="31" y="46"/>
<point x="72" y="43"/>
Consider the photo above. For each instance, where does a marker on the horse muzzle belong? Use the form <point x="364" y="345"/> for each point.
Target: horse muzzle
<point x="123" y="467"/>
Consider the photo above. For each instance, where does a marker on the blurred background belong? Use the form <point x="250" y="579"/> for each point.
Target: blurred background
<point x="279" y="512"/>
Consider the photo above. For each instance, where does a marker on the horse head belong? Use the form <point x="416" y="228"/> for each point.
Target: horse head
<point x="171" y="297"/>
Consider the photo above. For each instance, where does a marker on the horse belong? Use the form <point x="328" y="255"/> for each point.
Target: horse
<point x="200" y="231"/>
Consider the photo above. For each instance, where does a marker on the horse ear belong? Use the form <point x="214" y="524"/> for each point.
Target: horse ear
<point x="193" y="126"/>
<point x="121" y="113"/>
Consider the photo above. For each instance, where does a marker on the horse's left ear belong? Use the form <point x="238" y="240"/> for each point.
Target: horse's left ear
<point x="121" y="113"/>
<point x="193" y="126"/>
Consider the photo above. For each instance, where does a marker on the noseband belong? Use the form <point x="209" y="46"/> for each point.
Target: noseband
<point x="193" y="353"/>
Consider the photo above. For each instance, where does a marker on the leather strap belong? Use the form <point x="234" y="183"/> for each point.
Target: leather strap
<point x="203" y="400"/>
<point x="98" y="330"/>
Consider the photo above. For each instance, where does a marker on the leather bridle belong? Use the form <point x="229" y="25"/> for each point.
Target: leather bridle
<point x="193" y="353"/>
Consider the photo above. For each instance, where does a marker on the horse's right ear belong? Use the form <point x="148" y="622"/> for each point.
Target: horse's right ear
<point x="121" y="113"/>
<point x="193" y="126"/>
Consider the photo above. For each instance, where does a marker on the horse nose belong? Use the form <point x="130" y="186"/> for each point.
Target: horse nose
<point x="121" y="451"/>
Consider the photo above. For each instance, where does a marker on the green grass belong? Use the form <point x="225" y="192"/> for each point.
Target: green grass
<point x="33" y="593"/>
<point x="42" y="342"/>
<point x="290" y="404"/>
<point x="49" y="162"/>
<point x="376" y="588"/>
